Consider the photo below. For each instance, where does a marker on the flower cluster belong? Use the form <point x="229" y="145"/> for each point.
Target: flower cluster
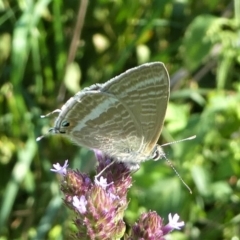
<point x="99" y="204"/>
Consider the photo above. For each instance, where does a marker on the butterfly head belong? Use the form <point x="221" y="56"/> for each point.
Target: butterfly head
<point x="60" y="127"/>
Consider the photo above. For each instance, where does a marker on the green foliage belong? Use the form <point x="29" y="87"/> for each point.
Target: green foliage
<point x="199" y="43"/>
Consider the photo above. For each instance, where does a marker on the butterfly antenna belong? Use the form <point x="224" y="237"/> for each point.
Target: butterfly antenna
<point x="176" y="172"/>
<point x="182" y="140"/>
<point x="40" y="138"/>
<point x="44" y="116"/>
<point x="49" y="114"/>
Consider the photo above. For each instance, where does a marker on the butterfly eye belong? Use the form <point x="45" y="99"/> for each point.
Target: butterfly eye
<point x="65" y="124"/>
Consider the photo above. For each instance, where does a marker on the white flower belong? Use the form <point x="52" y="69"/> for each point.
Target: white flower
<point x="173" y="221"/>
<point x="60" y="169"/>
<point x="102" y="182"/>
<point x="80" y="204"/>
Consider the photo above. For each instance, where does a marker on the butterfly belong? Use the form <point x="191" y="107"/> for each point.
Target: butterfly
<point x="122" y="117"/>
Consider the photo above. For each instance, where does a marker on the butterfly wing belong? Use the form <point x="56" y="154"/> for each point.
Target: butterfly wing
<point x="98" y="120"/>
<point x="144" y="91"/>
<point x="122" y="117"/>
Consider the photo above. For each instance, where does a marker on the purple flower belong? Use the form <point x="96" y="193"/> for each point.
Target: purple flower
<point x="102" y="182"/>
<point x="150" y="226"/>
<point x="113" y="196"/>
<point x="60" y="169"/>
<point x="80" y="204"/>
<point x="173" y="223"/>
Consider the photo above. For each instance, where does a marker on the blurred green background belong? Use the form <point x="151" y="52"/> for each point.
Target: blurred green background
<point x="49" y="50"/>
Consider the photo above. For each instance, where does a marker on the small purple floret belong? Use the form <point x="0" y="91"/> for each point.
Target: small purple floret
<point x="60" y="169"/>
<point x="102" y="182"/>
<point x="80" y="204"/>
<point x="173" y="223"/>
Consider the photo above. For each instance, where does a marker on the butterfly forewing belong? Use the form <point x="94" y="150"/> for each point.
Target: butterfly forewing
<point x="99" y="120"/>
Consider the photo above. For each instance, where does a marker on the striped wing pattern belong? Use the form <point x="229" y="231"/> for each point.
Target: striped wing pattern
<point x="122" y="117"/>
<point x="145" y="92"/>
